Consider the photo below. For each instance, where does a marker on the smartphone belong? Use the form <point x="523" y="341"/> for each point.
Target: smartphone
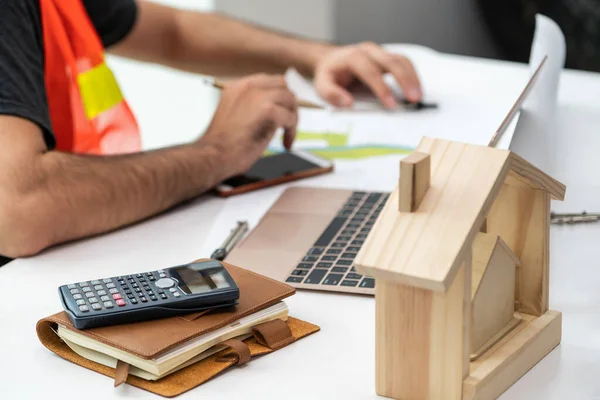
<point x="274" y="170"/>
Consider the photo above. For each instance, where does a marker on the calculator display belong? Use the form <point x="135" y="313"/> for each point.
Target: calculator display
<point x="196" y="278"/>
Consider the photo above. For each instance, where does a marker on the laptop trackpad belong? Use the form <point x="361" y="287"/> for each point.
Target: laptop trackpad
<point x="278" y="243"/>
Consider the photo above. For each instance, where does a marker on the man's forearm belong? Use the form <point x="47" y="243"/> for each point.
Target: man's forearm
<point x="213" y="44"/>
<point x="73" y="196"/>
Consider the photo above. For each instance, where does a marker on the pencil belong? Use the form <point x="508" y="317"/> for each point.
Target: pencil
<point x="301" y="103"/>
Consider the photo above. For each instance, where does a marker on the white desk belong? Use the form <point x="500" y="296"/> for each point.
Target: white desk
<point x="337" y="362"/>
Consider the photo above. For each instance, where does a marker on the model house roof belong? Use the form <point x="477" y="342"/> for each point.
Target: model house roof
<point x="425" y="248"/>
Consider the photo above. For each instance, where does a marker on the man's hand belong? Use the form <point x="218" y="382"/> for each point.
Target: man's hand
<point x="366" y="62"/>
<point x="250" y="112"/>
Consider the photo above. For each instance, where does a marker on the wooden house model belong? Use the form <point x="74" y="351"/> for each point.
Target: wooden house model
<point x="460" y="254"/>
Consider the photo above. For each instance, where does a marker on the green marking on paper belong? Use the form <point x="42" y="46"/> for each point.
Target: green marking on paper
<point x="332" y="139"/>
<point x="338" y="148"/>
<point x="359" y="152"/>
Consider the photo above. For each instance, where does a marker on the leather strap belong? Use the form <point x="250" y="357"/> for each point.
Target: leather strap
<point x="240" y="350"/>
<point x="121" y="373"/>
<point x="273" y="334"/>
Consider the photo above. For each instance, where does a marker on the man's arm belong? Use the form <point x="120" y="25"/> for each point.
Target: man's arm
<point x="212" y="44"/>
<point x="49" y="197"/>
<point x="216" y="45"/>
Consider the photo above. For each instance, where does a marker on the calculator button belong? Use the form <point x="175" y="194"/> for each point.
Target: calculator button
<point x="165" y="283"/>
<point x="107" y="280"/>
<point x="163" y="296"/>
<point x="129" y="277"/>
<point x="86" y="290"/>
<point x="162" y="275"/>
<point x="80" y="302"/>
<point x="176" y="294"/>
<point x="110" y="285"/>
<point x="84" y="308"/>
<point x="173" y="290"/>
<point x="108" y="304"/>
<point x="113" y="291"/>
<point x="77" y="296"/>
<point x="153" y="298"/>
<point x="128" y="292"/>
<point x="89" y="294"/>
<point x="93" y="300"/>
<point x="130" y="296"/>
<point x="139" y="275"/>
<point x="143" y="299"/>
<point x="121" y="302"/>
<point x="101" y="292"/>
<point x="142" y="280"/>
<point x="98" y="287"/>
<point x="152" y="279"/>
<point x="105" y="298"/>
<point x="138" y="290"/>
<point x="135" y="285"/>
<point x="84" y="284"/>
<point x="161" y="271"/>
<point x="71" y="286"/>
<point x="96" y="306"/>
<point x="121" y="281"/>
<point x="74" y="291"/>
<point x="116" y="296"/>
<point x="96" y="282"/>
<point x="134" y="301"/>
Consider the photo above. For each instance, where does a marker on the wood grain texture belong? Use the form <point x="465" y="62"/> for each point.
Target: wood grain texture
<point x="427" y="362"/>
<point x="536" y="178"/>
<point x="426" y="248"/>
<point x="521" y="216"/>
<point x="493" y="293"/>
<point x="415" y="174"/>
<point x="508" y="360"/>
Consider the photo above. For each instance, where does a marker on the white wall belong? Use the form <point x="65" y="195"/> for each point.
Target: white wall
<point x="171" y="106"/>
<point x="452" y="26"/>
<point x="308" y="18"/>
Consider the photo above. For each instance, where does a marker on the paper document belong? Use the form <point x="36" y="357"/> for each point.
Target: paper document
<point x="535" y="134"/>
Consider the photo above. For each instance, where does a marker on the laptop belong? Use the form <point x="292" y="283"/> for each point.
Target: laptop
<point x="310" y="236"/>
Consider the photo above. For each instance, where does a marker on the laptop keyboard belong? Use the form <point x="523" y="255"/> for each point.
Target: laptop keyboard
<point x="331" y="259"/>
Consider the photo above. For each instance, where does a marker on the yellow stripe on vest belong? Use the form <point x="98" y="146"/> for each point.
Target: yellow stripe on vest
<point x="99" y="90"/>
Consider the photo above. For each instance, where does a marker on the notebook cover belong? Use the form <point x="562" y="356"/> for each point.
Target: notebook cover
<point x="150" y="339"/>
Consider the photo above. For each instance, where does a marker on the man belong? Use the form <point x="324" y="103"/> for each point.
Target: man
<point x="49" y="194"/>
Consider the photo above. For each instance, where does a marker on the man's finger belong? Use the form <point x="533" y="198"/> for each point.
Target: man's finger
<point x="334" y="93"/>
<point x="288" y="120"/>
<point x="402" y="70"/>
<point x="371" y="74"/>
<point x="412" y="73"/>
<point x="284" y="98"/>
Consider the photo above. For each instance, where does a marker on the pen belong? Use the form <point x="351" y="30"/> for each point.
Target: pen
<point x="301" y="103"/>
<point x="236" y="234"/>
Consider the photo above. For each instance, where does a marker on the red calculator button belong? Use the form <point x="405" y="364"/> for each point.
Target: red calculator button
<point x="120" y="302"/>
<point x="117" y="296"/>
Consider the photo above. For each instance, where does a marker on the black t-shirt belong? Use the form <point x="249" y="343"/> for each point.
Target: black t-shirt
<point x="22" y="88"/>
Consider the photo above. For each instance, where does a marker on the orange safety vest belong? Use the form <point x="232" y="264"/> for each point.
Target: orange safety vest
<point x="87" y="109"/>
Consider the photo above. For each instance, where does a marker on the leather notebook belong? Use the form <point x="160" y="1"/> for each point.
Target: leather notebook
<point x="150" y="339"/>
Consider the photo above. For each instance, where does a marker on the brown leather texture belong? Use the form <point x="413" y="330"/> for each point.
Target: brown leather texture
<point x="121" y="373"/>
<point x="150" y="339"/>
<point x="273" y="334"/>
<point x="241" y="351"/>
<point x="178" y="382"/>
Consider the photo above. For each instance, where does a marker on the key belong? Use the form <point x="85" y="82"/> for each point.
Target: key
<point x="333" y="279"/>
<point x="316" y="276"/>
<point x="330" y="232"/>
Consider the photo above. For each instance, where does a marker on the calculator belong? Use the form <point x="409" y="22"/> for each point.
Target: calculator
<point x="150" y="295"/>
